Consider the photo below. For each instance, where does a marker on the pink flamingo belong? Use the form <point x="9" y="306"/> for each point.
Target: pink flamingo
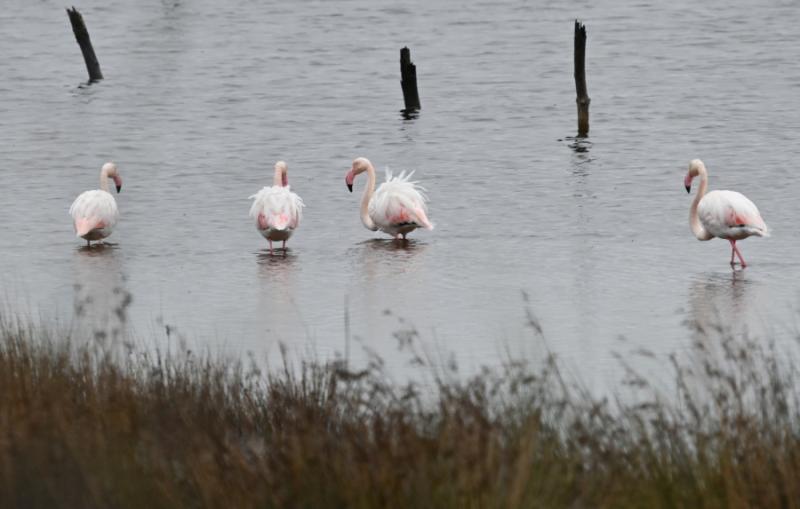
<point x="725" y="214"/>
<point x="397" y="207"/>
<point x="94" y="213"/>
<point x="277" y="210"/>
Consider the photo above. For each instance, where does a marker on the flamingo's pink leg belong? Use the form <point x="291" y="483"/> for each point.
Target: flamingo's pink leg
<point x="735" y="251"/>
<point x="739" y="254"/>
<point x="270" y="246"/>
<point x="284" y="246"/>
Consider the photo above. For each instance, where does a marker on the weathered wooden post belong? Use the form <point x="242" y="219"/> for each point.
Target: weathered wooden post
<point x="408" y="80"/>
<point x="580" y="79"/>
<point x="82" y="35"/>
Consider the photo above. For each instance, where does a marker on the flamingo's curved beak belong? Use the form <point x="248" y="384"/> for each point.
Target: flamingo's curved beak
<point x="118" y="183"/>
<point x="348" y="179"/>
<point x="687" y="183"/>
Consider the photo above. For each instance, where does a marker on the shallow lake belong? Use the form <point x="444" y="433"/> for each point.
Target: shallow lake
<point x="591" y="238"/>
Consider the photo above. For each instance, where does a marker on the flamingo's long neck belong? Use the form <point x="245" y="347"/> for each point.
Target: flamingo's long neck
<point x="694" y="221"/>
<point x="104" y="180"/>
<point x="277" y="180"/>
<point x="368" y="222"/>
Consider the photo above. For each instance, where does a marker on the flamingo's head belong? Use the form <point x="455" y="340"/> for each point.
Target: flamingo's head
<point x="110" y="170"/>
<point x="281" y="174"/>
<point x="696" y="167"/>
<point x="360" y="165"/>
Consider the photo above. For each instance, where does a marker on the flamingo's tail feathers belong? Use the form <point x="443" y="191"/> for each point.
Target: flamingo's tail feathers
<point x="758" y="227"/>
<point x="765" y="231"/>
<point x="423" y="219"/>
<point x="84" y="225"/>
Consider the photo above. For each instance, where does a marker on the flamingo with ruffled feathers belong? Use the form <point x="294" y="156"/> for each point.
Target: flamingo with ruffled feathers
<point x="277" y="211"/>
<point x="397" y="207"/>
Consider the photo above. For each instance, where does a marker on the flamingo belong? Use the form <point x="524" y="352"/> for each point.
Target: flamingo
<point x="277" y="210"/>
<point x="724" y="214"/>
<point x="397" y="207"/>
<point x="95" y="213"/>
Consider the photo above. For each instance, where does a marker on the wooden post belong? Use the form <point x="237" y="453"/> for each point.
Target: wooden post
<point x="82" y="36"/>
<point x="408" y="75"/>
<point x="580" y="79"/>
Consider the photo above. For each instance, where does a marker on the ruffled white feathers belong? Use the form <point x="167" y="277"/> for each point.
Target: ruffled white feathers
<point x="399" y="204"/>
<point x="276" y="211"/>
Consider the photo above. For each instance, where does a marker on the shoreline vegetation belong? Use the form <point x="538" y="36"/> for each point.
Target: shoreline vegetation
<point x="86" y="425"/>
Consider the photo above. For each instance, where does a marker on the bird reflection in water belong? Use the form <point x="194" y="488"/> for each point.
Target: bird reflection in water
<point x="389" y="270"/>
<point x="393" y="245"/>
<point x="724" y="302"/>
<point x="277" y="259"/>
<point x="101" y="298"/>
<point x="398" y="256"/>
<point x="277" y="313"/>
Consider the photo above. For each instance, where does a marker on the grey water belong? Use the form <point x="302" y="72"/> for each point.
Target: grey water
<point x="591" y="238"/>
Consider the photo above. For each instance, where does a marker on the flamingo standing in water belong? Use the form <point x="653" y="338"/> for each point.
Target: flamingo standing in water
<point x="397" y="207"/>
<point x="94" y="213"/>
<point x="277" y="210"/>
<point x="725" y="214"/>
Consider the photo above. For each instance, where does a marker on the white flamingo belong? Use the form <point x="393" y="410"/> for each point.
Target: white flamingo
<point x="397" y="207"/>
<point x="95" y="213"/>
<point x="276" y="210"/>
<point x="724" y="214"/>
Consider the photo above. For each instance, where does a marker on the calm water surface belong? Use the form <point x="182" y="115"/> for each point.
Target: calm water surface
<point x="202" y="97"/>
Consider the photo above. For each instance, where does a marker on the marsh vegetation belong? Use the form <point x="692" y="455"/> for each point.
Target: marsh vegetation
<point x="90" y="422"/>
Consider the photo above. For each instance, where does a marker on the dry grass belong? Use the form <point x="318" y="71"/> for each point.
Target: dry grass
<point x="82" y="427"/>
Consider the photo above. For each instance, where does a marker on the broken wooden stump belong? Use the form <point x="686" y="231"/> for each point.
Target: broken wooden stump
<point x="580" y="79"/>
<point x="82" y="36"/>
<point x="408" y="80"/>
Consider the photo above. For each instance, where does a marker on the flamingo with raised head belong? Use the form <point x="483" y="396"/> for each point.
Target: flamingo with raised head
<point x="95" y="213"/>
<point x="724" y="214"/>
<point x="398" y="207"/>
<point x="276" y="210"/>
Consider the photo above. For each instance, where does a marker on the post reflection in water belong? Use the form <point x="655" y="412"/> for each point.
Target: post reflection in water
<point x="101" y="297"/>
<point x="583" y="249"/>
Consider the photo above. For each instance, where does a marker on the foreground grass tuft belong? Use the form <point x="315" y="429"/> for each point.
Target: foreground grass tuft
<point x="83" y="427"/>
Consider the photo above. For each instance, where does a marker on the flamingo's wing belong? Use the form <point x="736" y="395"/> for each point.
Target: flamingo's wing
<point x="92" y="210"/>
<point x="743" y="212"/>
<point x="725" y="210"/>
<point x="277" y="208"/>
<point x="400" y="201"/>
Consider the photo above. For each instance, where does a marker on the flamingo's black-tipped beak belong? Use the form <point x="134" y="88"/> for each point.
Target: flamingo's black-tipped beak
<point x="350" y="187"/>
<point x="688" y="189"/>
<point x="119" y="188"/>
